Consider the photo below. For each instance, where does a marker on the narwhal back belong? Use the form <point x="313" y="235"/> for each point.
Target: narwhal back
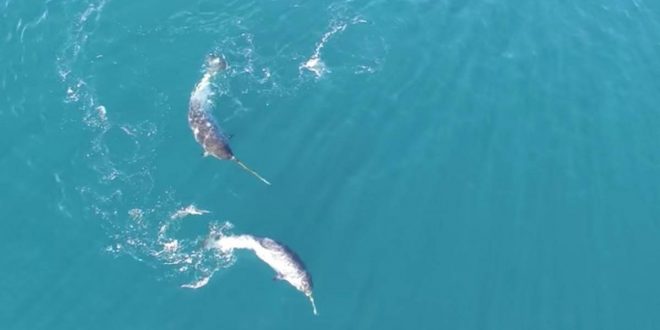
<point x="284" y="250"/>
<point x="208" y="133"/>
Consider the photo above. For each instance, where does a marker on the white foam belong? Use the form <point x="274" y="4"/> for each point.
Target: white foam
<point x="77" y="90"/>
<point x="189" y="257"/>
<point x="198" y="284"/>
<point x="230" y="243"/>
<point x="316" y="66"/>
<point x="102" y="112"/>
<point x="203" y="92"/>
<point x="315" y="63"/>
<point x="171" y="246"/>
<point x="186" y="211"/>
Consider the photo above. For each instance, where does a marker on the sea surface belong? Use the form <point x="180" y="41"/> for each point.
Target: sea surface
<point x="441" y="164"/>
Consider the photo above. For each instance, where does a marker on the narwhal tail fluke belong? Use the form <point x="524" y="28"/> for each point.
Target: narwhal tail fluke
<point x="311" y="300"/>
<point x="251" y="171"/>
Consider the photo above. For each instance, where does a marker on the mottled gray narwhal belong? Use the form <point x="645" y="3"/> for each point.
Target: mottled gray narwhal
<point x="286" y="264"/>
<point x="205" y="128"/>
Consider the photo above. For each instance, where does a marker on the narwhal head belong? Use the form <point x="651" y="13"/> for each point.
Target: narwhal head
<point x="306" y="285"/>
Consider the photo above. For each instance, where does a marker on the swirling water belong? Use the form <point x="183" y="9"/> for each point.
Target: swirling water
<point x="436" y="164"/>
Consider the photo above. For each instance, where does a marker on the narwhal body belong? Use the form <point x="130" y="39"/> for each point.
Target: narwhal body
<point x="286" y="264"/>
<point x="205" y="128"/>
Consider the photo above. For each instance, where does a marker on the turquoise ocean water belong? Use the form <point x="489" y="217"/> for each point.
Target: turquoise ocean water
<point x="436" y="164"/>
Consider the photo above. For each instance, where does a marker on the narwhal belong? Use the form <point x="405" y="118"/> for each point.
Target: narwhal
<point x="205" y="128"/>
<point x="286" y="264"/>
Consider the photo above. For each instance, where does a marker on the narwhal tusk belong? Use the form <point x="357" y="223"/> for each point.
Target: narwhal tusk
<point x="311" y="299"/>
<point x="250" y="171"/>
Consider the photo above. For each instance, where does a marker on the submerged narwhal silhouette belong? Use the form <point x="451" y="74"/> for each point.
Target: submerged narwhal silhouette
<point x="205" y="128"/>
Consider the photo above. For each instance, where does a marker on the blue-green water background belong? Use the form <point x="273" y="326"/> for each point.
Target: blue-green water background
<point x="460" y="164"/>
